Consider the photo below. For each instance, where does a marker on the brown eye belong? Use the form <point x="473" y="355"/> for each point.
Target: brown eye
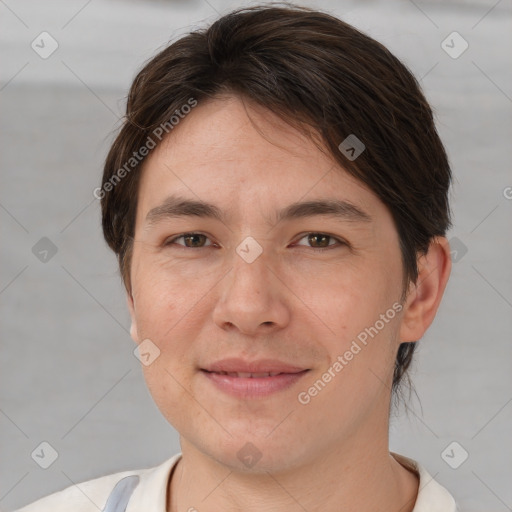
<point x="318" y="239"/>
<point x="191" y="240"/>
<point x="321" y="241"/>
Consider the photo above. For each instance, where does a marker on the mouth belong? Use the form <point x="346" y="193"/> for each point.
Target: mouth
<point x="249" y="375"/>
<point x="258" y="383"/>
<point x="257" y="368"/>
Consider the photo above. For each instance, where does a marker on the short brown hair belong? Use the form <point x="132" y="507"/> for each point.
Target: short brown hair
<point x="313" y="70"/>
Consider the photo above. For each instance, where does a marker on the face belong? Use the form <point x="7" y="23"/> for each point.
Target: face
<point x="309" y="292"/>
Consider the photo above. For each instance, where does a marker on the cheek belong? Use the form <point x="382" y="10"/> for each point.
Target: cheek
<point x="164" y="314"/>
<point x="170" y="392"/>
<point x="359" y="308"/>
<point x="165" y="298"/>
<point x="345" y="297"/>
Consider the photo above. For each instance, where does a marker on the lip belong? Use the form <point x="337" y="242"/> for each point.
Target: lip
<point x="253" y="387"/>
<point x="247" y="387"/>
<point x="238" y="365"/>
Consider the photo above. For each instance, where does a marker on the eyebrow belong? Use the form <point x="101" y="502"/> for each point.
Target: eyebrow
<point x="177" y="206"/>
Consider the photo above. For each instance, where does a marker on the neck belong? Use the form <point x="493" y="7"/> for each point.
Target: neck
<point x="356" y="476"/>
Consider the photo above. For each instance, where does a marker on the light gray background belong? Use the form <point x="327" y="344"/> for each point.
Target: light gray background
<point x="68" y="374"/>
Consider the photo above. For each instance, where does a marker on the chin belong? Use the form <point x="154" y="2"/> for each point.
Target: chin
<point x="257" y="455"/>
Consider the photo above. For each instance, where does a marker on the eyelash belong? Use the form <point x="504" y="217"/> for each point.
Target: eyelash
<point x="339" y="241"/>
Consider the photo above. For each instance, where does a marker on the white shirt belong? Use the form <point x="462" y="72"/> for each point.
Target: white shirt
<point x="150" y="495"/>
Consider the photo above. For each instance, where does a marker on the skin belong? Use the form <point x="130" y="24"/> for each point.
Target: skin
<point x="198" y="301"/>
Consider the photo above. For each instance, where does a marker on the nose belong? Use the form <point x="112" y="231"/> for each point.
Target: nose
<point x="253" y="298"/>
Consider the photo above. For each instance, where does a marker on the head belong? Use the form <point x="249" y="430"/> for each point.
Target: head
<point x="267" y="107"/>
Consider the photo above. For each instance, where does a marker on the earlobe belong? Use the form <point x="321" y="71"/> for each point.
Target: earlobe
<point x="131" y="308"/>
<point x="425" y="295"/>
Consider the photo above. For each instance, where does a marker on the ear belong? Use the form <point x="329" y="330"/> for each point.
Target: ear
<point x="131" y="308"/>
<point x="424" y="296"/>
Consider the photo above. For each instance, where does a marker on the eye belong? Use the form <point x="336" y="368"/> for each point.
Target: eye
<point x="321" y="241"/>
<point x="191" y="240"/>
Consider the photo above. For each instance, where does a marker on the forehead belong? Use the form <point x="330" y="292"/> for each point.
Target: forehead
<point x="231" y="129"/>
<point x="240" y="154"/>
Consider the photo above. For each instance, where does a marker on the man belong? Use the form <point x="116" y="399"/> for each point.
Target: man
<point x="277" y="201"/>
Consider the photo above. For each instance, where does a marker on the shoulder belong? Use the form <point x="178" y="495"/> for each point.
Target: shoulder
<point x="432" y="497"/>
<point x="82" y="497"/>
<point x="92" y="495"/>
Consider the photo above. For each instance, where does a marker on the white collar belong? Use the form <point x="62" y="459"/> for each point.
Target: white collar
<point x="432" y="497"/>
